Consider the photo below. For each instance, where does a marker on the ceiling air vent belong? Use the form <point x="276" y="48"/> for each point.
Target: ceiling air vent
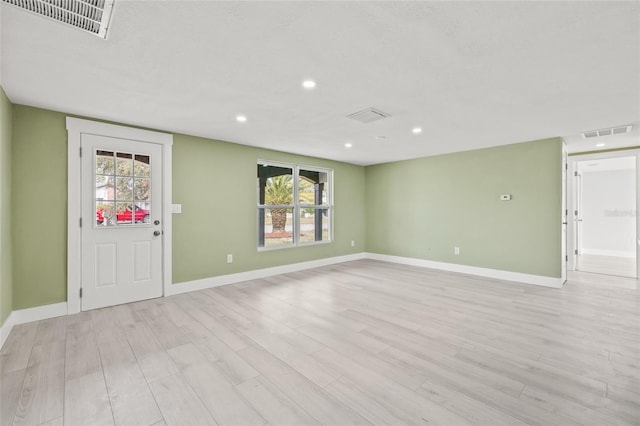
<point x="368" y="115"/>
<point x="606" y="132"/>
<point x="88" y="15"/>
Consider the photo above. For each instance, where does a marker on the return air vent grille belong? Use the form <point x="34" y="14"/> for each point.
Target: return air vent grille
<point x="88" y="15"/>
<point x="368" y="115"/>
<point x="606" y="132"/>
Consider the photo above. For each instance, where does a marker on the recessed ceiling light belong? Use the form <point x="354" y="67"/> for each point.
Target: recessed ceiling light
<point x="416" y="130"/>
<point x="600" y="145"/>
<point x="380" y="137"/>
<point x="309" y="84"/>
<point x="348" y="145"/>
<point x="241" y="118"/>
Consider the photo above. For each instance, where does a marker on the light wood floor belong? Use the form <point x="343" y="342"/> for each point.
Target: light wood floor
<point x="610" y="265"/>
<point x="363" y="342"/>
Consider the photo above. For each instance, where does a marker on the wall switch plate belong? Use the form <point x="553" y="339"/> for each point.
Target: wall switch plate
<point x="505" y="197"/>
<point x="176" y="208"/>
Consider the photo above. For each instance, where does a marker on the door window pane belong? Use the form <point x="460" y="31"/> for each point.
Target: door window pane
<point x="124" y="164"/>
<point x="104" y="162"/>
<point x="123" y="185"/>
<point x="123" y="213"/>
<point x="105" y="213"/>
<point x="105" y="187"/>
<point x="141" y="165"/>
<point x="124" y="189"/>
<point x="142" y="189"/>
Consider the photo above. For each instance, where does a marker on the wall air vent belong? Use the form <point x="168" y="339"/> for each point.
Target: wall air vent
<point x="606" y="132"/>
<point x="368" y="115"/>
<point x="88" y="15"/>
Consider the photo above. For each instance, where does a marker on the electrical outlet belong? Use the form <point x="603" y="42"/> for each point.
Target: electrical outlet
<point x="229" y="258"/>
<point x="353" y="243"/>
<point x="456" y="250"/>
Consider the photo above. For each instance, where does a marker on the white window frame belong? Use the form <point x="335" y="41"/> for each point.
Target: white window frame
<point x="297" y="206"/>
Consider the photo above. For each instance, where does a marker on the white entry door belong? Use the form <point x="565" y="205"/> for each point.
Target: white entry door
<point x="122" y="221"/>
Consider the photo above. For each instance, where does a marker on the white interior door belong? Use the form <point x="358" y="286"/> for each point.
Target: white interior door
<point x="121" y="221"/>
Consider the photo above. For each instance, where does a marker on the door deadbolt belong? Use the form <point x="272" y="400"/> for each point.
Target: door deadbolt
<point x="156" y="233"/>
<point x="156" y="222"/>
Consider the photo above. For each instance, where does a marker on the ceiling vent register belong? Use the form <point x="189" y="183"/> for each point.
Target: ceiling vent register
<point x="89" y="15"/>
<point x="606" y="132"/>
<point x="368" y="115"/>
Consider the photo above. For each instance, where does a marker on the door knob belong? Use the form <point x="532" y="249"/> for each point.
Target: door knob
<point x="156" y="233"/>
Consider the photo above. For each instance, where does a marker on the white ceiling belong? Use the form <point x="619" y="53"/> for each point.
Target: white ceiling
<point x="471" y="74"/>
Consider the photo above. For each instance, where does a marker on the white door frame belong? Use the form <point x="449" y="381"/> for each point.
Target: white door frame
<point x="75" y="128"/>
<point x="571" y="234"/>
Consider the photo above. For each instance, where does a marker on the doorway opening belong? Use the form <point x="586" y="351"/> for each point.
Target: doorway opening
<point x="604" y="211"/>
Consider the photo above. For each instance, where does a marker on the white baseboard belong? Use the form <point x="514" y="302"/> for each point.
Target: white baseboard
<point x="6" y="328"/>
<point x="38" y="313"/>
<point x="472" y="270"/>
<point x="204" y="283"/>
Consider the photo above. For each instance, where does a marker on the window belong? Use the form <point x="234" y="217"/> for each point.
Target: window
<point x="122" y="188"/>
<point x="294" y="205"/>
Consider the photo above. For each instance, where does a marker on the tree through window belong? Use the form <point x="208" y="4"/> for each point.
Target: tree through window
<point x="294" y="205"/>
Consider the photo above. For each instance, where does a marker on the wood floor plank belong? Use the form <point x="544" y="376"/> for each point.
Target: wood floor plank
<point x="178" y="402"/>
<point x="17" y="348"/>
<point x="402" y="401"/>
<point x="364" y="403"/>
<point x="86" y="401"/>
<point x="131" y="399"/>
<point x="42" y="395"/>
<point x="10" y="390"/>
<point x="272" y="404"/>
<point x="129" y="394"/>
<point x="320" y="405"/>
<point x="222" y="399"/>
<point x="570" y="409"/>
<point x="234" y="367"/>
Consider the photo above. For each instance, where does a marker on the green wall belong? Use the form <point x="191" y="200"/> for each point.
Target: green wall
<point x="423" y="208"/>
<point x="6" y="135"/>
<point x="214" y="181"/>
<point x="417" y="208"/>
<point x="39" y="207"/>
<point x="216" y="184"/>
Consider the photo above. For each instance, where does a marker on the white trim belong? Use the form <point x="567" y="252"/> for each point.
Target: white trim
<point x="75" y="128"/>
<point x="167" y="217"/>
<point x="6" y="328"/>
<point x="472" y="270"/>
<point x="573" y="160"/>
<point x="38" y="313"/>
<point x="205" y="283"/>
